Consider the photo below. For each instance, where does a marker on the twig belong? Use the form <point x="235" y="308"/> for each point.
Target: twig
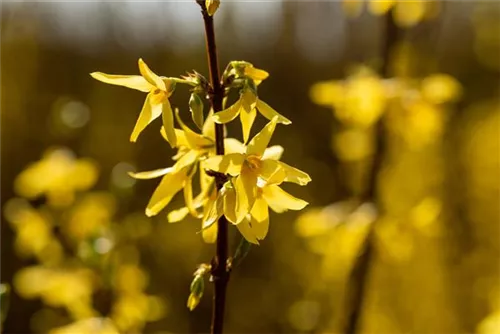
<point x="219" y="271"/>
<point x="359" y="276"/>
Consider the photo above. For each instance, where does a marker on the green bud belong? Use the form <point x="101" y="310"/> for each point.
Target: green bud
<point x="197" y="289"/>
<point x="196" y="108"/>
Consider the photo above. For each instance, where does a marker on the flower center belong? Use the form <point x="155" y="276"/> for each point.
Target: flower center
<point x="254" y="162"/>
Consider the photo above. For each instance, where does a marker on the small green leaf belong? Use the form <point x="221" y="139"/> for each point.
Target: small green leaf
<point x="196" y="108"/>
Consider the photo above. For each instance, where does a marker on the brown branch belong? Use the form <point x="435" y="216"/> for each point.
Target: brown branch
<point x="219" y="271"/>
<point x="359" y="276"/>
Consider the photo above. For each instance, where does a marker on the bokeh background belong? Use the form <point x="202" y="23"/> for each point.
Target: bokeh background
<point x="76" y="245"/>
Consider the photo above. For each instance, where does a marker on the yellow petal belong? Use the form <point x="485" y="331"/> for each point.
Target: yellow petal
<point x="187" y="159"/>
<point x="228" y="164"/>
<point x="149" y="113"/>
<point x="246" y="231"/>
<point x="170" y="185"/>
<point x="245" y="186"/>
<point x="270" y="113"/>
<point x="209" y="126"/>
<point x="255" y="73"/>
<point x="274" y="152"/>
<point x="150" y="76"/>
<point x="129" y="81"/>
<point x="209" y="235"/>
<point x="227" y="115"/>
<point x="188" y="198"/>
<point x="230" y="205"/>
<point x="272" y="172"/>
<point x="195" y="141"/>
<point x="295" y="175"/>
<point x="281" y="201"/>
<point x="259" y="142"/>
<point x="206" y="181"/>
<point x="215" y="211"/>
<point x="260" y="218"/>
<point x="168" y="123"/>
<point x="233" y="145"/>
<point x="247" y="119"/>
<point x="151" y="174"/>
<point x="178" y="215"/>
<point x="179" y="134"/>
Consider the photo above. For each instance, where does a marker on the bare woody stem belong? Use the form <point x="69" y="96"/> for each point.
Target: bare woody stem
<point x="219" y="271"/>
<point x="359" y="277"/>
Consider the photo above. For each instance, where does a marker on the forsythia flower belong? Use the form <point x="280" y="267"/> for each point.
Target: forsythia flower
<point x="246" y="107"/>
<point x="192" y="148"/>
<point x="159" y="89"/>
<point x="250" y="167"/>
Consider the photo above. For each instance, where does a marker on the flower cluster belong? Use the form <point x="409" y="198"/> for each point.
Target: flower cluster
<point x="252" y="171"/>
<point x="80" y="253"/>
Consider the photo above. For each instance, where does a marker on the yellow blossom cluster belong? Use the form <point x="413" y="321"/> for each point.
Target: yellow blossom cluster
<point x="80" y="250"/>
<point x="252" y="170"/>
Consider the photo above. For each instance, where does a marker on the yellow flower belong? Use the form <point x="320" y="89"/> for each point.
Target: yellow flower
<point x="255" y="224"/>
<point x="252" y="165"/>
<point x="193" y="147"/>
<point x="246" y="107"/>
<point x="159" y="89"/>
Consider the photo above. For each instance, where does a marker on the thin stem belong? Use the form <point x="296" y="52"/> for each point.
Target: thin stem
<point x="359" y="276"/>
<point x="219" y="271"/>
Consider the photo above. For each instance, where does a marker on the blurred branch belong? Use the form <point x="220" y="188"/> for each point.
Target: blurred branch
<point x="219" y="271"/>
<point x="359" y="276"/>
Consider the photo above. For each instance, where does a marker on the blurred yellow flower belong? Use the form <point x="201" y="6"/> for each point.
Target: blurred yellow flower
<point x="407" y="13"/>
<point x="88" y="326"/>
<point x="358" y="101"/>
<point x="93" y="213"/>
<point x="159" y="90"/>
<point x="58" y="175"/>
<point x="58" y="287"/>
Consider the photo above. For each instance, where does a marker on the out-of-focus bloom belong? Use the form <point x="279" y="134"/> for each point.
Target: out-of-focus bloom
<point x="159" y="90"/>
<point x="58" y="287"/>
<point x="88" y="326"/>
<point x="93" y="213"/>
<point x="406" y="13"/>
<point x="58" y="175"/>
<point x="359" y="100"/>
